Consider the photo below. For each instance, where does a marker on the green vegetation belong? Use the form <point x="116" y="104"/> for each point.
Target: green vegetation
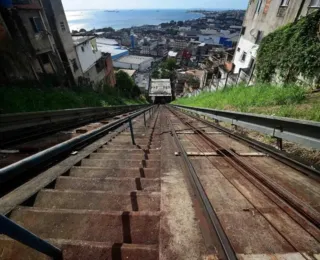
<point x="288" y="101"/>
<point x="126" y="85"/>
<point x="291" y="51"/>
<point x="165" y="70"/>
<point x="27" y="99"/>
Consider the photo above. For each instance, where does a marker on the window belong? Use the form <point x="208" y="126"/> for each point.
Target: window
<point x="285" y="2"/>
<point x="243" y="30"/>
<point x="37" y="24"/>
<point x="315" y="3"/>
<point x="238" y="49"/>
<point x="258" y="6"/>
<point x="243" y="57"/>
<point x="82" y="48"/>
<point x="259" y="37"/>
<point x="74" y="64"/>
<point x="63" y="27"/>
<point x="44" y="58"/>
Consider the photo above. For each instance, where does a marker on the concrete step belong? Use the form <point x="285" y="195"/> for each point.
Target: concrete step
<point x="116" y="156"/>
<point x="113" y="184"/>
<point x="77" y="249"/>
<point x="90" y="225"/>
<point x="120" y="163"/>
<point x="98" y="200"/>
<point x="96" y="172"/>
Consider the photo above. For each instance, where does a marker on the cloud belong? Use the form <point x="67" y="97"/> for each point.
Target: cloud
<point x="156" y="4"/>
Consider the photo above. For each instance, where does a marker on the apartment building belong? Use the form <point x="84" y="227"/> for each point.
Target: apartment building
<point x="263" y="17"/>
<point x="29" y="37"/>
<point x="61" y="33"/>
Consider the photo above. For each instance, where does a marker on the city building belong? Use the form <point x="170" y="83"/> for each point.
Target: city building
<point x="148" y="47"/>
<point x="111" y="46"/>
<point x="29" y="39"/>
<point x="178" y="44"/>
<point x="62" y="37"/>
<point x="143" y="81"/>
<point x="263" y="17"/>
<point x="140" y="63"/>
<point x="92" y="62"/>
<point x="160" y="89"/>
<point x="110" y="77"/>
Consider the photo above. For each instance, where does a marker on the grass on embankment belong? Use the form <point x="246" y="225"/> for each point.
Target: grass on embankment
<point x="28" y="99"/>
<point x="289" y="101"/>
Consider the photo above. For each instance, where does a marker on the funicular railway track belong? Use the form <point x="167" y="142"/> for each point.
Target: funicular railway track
<point x="259" y="208"/>
<point x="169" y="187"/>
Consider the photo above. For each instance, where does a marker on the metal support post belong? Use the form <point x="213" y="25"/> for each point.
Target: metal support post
<point x="131" y="131"/>
<point x="279" y="144"/>
<point x="18" y="233"/>
<point x="144" y="120"/>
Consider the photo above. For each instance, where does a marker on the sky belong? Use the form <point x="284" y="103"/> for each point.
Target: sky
<point x="154" y="4"/>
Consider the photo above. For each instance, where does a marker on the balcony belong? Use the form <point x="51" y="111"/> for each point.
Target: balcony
<point x="27" y="4"/>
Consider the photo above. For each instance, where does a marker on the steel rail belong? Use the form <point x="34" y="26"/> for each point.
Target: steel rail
<point x="20" y="127"/>
<point x="19" y="167"/>
<point x="303" y="132"/>
<point x="243" y="167"/>
<point x="211" y="214"/>
<point x="272" y="152"/>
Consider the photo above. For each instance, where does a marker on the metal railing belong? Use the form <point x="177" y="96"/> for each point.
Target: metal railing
<point x="19" y="233"/>
<point x="304" y="132"/>
<point x="21" y="126"/>
<point x="19" y="167"/>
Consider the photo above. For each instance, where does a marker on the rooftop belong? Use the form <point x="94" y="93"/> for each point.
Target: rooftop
<point x="115" y="51"/>
<point x="129" y="72"/>
<point x="77" y="40"/>
<point x="107" y="41"/>
<point x="172" y="54"/>
<point x="133" y="59"/>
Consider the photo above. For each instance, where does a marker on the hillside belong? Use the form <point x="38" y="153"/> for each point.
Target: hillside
<point x="289" y="101"/>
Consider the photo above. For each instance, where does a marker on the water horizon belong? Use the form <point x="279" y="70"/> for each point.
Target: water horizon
<point x="89" y="19"/>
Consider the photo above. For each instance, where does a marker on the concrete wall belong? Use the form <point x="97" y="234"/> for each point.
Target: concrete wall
<point x="87" y="56"/>
<point x="95" y="76"/>
<point x="62" y="36"/>
<point x="40" y="41"/>
<point x="141" y="67"/>
<point x="247" y="46"/>
<point x="110" y="76"/>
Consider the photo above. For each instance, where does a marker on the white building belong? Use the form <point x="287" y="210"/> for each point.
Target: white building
<point x="91" y="60"/>
<point x="111" y="46"/>
<point x="160" y="88"/>
<point x="140" y="63"/>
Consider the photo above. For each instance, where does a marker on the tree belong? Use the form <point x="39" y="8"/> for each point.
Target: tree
<point x="126" y="85"/>
<point x="169" y="64"/>
<point x="74" y="31"/>
<point x="155" y="74"/>
<point x="172" y="22"/>
<point x="180" y="23"/>
<point x="82" y="30"/>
